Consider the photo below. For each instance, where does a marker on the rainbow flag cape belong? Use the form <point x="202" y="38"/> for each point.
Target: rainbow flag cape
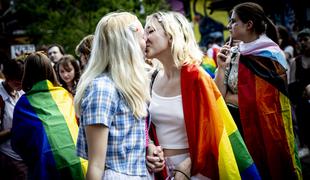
<point x="209" y="65"/>
<point x="45" y="131"/>
<point x="265" y="113"/>
<point x="215" y="144"/>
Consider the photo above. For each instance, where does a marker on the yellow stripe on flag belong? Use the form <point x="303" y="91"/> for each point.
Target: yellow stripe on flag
<point x="227" y="164"/>
<point x="287" y="121"/>
<point x="64" y="101"/>
<point x="227" y="118"/>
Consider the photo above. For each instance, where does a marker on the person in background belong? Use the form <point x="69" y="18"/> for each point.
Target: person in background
<point x="55" y="52"/>
<point x="3" y="58"/>
<point x="262" y="97"/>
<point x="68" y="72"/>
<point x="298" y="88"/>
<point x="287" y="44"/>
<point x="83" y="50"/>
<point x="12" y="165"/>
<point x="111" y="101"/>
<point x="190" y="120"/>
<point x="45" y="127"/>
<point x="215" y="45"/>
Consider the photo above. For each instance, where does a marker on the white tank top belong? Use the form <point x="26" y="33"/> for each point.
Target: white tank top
<point x="167" y="116"/>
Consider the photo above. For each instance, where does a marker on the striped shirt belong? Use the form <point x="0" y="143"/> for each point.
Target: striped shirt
<point x="103" y="104"/>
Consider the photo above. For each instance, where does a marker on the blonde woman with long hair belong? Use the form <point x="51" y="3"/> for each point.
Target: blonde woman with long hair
<point x="111" y="101"/>
<point x="190" y="120"/>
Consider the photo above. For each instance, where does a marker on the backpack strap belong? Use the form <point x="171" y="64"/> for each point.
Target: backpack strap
<point x="148" y="118"/>
<point x="153" y="79"/>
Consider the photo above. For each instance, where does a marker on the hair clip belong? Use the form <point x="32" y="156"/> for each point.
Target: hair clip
<point x="160" y="19"/>
<point x="133" y="26"/>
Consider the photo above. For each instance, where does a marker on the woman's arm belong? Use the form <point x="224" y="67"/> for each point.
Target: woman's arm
<point x="223" y="60"/>
<point x="231" y="98"/>
<point x="97" y="140"/>
<point x="219" y="81"/>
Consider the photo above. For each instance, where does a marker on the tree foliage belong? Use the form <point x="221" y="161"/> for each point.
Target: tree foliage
<point x="66" y="22"/>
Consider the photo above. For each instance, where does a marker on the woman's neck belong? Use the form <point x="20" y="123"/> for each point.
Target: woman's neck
<point x="171" y="72"/>
<point x="70" y="85"/>
<point x="250" y="38"/>
<point x="170" y="69"/>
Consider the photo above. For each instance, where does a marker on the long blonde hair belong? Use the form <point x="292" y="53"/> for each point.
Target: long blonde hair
<point x="184" y="48"/>
<point x="116" y="51"/>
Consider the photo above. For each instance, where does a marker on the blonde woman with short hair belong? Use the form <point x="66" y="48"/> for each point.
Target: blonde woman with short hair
<point x="111" y="101"/>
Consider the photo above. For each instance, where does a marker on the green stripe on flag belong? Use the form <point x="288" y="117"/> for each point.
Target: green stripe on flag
<point x="59" y="136"/>
<point x="242" y="155"/>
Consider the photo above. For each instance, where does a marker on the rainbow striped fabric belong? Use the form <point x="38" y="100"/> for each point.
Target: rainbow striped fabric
<point x="215" y="144"/>
<point x="209" y="65"/>
<point x="265" y="110"/>
<point x="45" y="131"/>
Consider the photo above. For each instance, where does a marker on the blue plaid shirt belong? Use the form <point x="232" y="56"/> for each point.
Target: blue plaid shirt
<point x="103" y="104"/>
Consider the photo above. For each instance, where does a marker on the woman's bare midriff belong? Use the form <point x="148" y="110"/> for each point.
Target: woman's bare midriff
<point x="231" y="98"/>
<point x="173" y="152"/>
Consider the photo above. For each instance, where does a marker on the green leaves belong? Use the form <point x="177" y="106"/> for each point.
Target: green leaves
<point x="66" y="22"/>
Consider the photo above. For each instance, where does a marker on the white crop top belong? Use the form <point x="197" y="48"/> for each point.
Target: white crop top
<point x="167" y="116"/>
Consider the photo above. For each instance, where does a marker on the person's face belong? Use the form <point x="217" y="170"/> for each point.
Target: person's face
<point x="141" y="37"/>
<point x="15" y="84"/>
<point x="83" y="59"/>
<point x="157" y="41"/>
<point x="54" y="54"/>
<point x="305" y="44"/>
<point x="67" y="75"/>
<point x="236" y="27"/>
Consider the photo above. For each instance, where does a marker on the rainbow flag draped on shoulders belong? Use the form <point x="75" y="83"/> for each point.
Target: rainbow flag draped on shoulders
<point x="265" y="111"/>
<point x="215" y="144"/>
<point x="45" y="132"/>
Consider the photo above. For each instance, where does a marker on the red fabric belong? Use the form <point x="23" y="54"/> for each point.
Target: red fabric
<point x="199" y="96"/>
<point x="203" y="127"/>
<point x="263" y="127"/>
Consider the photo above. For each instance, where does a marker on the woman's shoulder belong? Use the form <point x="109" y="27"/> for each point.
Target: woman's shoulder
<point x="102" y="80"/>
<point x="102" y="84"/>
<point x="195" y="73"/>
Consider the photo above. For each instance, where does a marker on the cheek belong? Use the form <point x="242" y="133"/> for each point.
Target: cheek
<point x="236" y="31"/>
<point x="72" y="74"/>
<point x="83" y="58"/>
<point x="142" y="44"/>
<point x="62" y="74"/>
<point x="234" y="27"/>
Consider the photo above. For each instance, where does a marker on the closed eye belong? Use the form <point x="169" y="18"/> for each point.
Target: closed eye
<point x="150" y="31"/>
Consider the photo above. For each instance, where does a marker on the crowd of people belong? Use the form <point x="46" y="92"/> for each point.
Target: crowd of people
<point x="138" y="104"/>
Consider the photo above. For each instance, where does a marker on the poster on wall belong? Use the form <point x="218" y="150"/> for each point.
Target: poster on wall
<point x="19" y="49"/>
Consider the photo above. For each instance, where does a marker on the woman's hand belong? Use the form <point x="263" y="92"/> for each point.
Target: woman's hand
<point x="223" y="57"/>
<point x="185" y="168"/>
<point x="155" y="160"/>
